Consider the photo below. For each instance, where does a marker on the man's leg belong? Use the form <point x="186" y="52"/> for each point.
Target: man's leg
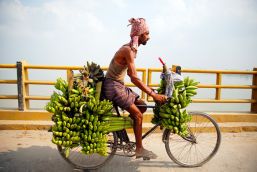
<point x="137" y="117"/>
<point x="141" y="102"/>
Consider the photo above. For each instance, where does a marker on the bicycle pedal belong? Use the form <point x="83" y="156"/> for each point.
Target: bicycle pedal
<point x="146" y="158"/>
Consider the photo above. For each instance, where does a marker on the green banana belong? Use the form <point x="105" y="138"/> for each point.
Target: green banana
<point x="191" y="91"/>
<point x="190" y="94"/>
<point x="194" y="83"/>
<point x="164" y="115"/>
<point x="186" y="81"/>
<point x="191" y="87"/>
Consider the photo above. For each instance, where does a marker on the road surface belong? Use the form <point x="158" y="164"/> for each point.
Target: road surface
<point x="30" y="151"/>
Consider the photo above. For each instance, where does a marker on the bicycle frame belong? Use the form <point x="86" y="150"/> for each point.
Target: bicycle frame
<point x="123" y="136"/>
<point x="123" y="133"/>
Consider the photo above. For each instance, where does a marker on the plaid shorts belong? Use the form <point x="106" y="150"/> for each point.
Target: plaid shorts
<point x="118" y="93"/>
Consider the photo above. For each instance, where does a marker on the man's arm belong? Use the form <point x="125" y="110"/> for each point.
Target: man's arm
<point x="133" y="74"/>
<point x="129" y="55"/>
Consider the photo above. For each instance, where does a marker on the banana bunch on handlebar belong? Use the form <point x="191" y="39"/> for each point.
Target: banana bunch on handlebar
<point x="179" y="90"/>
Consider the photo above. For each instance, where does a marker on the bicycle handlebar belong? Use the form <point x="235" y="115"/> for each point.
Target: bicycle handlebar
<point x="147" y="106"/>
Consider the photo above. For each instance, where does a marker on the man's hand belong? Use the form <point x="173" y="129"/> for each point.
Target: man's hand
<point x="159" y="98"/>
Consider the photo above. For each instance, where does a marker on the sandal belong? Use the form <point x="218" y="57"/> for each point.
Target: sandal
<point x="146" y="155"/>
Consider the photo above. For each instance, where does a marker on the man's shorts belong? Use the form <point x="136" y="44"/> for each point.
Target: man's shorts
<point x="118" y="93"/>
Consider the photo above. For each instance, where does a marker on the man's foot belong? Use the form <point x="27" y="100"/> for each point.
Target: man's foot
<point x="145" y="154"/>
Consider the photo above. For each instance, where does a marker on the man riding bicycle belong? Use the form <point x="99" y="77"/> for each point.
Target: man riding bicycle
<point x="122" y="96"/>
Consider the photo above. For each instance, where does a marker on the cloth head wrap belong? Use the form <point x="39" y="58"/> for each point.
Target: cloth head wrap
<point x="139" y="27"/>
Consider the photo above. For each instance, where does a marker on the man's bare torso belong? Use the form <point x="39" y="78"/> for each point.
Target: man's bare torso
<point x="123" y="53"/>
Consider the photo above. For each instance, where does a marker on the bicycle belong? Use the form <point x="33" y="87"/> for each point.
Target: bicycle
<point x="182" y="150"/>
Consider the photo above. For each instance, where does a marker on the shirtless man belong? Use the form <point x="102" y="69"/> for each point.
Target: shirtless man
<point x="122" y="96"/>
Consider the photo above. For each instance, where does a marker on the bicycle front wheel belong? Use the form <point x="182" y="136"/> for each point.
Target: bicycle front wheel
<point x="199" y="146"/>
<point x="92" y="161"/>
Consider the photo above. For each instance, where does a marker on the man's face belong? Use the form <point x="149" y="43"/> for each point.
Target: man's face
<point x="144" y="38"/>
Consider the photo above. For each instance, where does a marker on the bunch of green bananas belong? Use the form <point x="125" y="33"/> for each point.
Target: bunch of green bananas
<point x="59" y="101"/>
<point x="89" y="75"/>
<point x="95" y="128"/>
<point x="93" y="133"/>
<point x="66" y="130"/>
<point x="116" y="123"/>
<point x="85" y="130"/>
<point x="103" y="107"/>
<point x="65" y="100"/>
<point x="89" y="79"/>
<point x="64" y="105"/>
<point x="173" y="115"/>
<point x="61" y="85"/>
<point x="81" y="119"/>
<point x="77" y="120"/>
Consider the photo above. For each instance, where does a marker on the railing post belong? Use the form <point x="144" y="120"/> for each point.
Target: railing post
<point x="70" y="78"/>
<point x="149" y="81"/>
<point x="144" y="81"/>
<point x="25" y="87"/>
<point x="20" y="86"/>
<point x="254" y="92"/>
<point x="218" y="82"/>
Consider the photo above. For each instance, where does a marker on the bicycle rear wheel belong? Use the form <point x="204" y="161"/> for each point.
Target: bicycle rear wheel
<point x="199" y="146"/>
<point x="92" y="161"/>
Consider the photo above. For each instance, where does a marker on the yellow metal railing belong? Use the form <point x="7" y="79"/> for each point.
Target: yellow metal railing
<point x="218" y="86"/>
<point x="26" y="81"/>
<point x="8" y="66"/>
<point x="147" y="77"/>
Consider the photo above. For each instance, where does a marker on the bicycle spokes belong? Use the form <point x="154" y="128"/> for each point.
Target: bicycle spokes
<point x="129" y="149"/>
<point x="199" y="146"/>
<point x="190" y="137"/>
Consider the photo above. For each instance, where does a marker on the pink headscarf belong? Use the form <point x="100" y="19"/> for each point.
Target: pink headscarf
<point x="139" y="27"/>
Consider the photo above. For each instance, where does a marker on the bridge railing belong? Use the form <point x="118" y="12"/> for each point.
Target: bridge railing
<point x="23" y="82"/>
<point x="8" y="81"/>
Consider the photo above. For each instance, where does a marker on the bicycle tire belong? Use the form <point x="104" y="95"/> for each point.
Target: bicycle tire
<point x="197" y="118"/>
<point x="86" y="164"/>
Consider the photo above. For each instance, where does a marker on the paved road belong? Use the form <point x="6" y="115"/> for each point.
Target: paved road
<point x="33" y="151"/>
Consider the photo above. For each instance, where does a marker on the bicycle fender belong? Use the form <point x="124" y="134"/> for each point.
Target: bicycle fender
<point x="165" y="135"/>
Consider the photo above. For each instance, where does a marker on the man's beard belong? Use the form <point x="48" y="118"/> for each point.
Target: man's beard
<point x="144" y="43"/>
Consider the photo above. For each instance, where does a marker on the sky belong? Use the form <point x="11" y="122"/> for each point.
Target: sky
<point x="196" y="34"/>
<point x="206" y="34"/>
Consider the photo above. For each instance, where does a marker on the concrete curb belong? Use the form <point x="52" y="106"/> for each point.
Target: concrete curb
<point x="41" y="120"/>
<point x="46" y="125"/>
<point x="44" y="115"/>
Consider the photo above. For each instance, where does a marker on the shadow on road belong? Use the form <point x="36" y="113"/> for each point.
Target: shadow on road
<point x="125" y="164"/>
<point x="46" y="158"/>
<point x="34" y="158"/>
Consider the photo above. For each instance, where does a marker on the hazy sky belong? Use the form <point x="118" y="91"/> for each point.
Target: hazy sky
<point x="216" y="34"/>
<point x="205" y="34"/>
